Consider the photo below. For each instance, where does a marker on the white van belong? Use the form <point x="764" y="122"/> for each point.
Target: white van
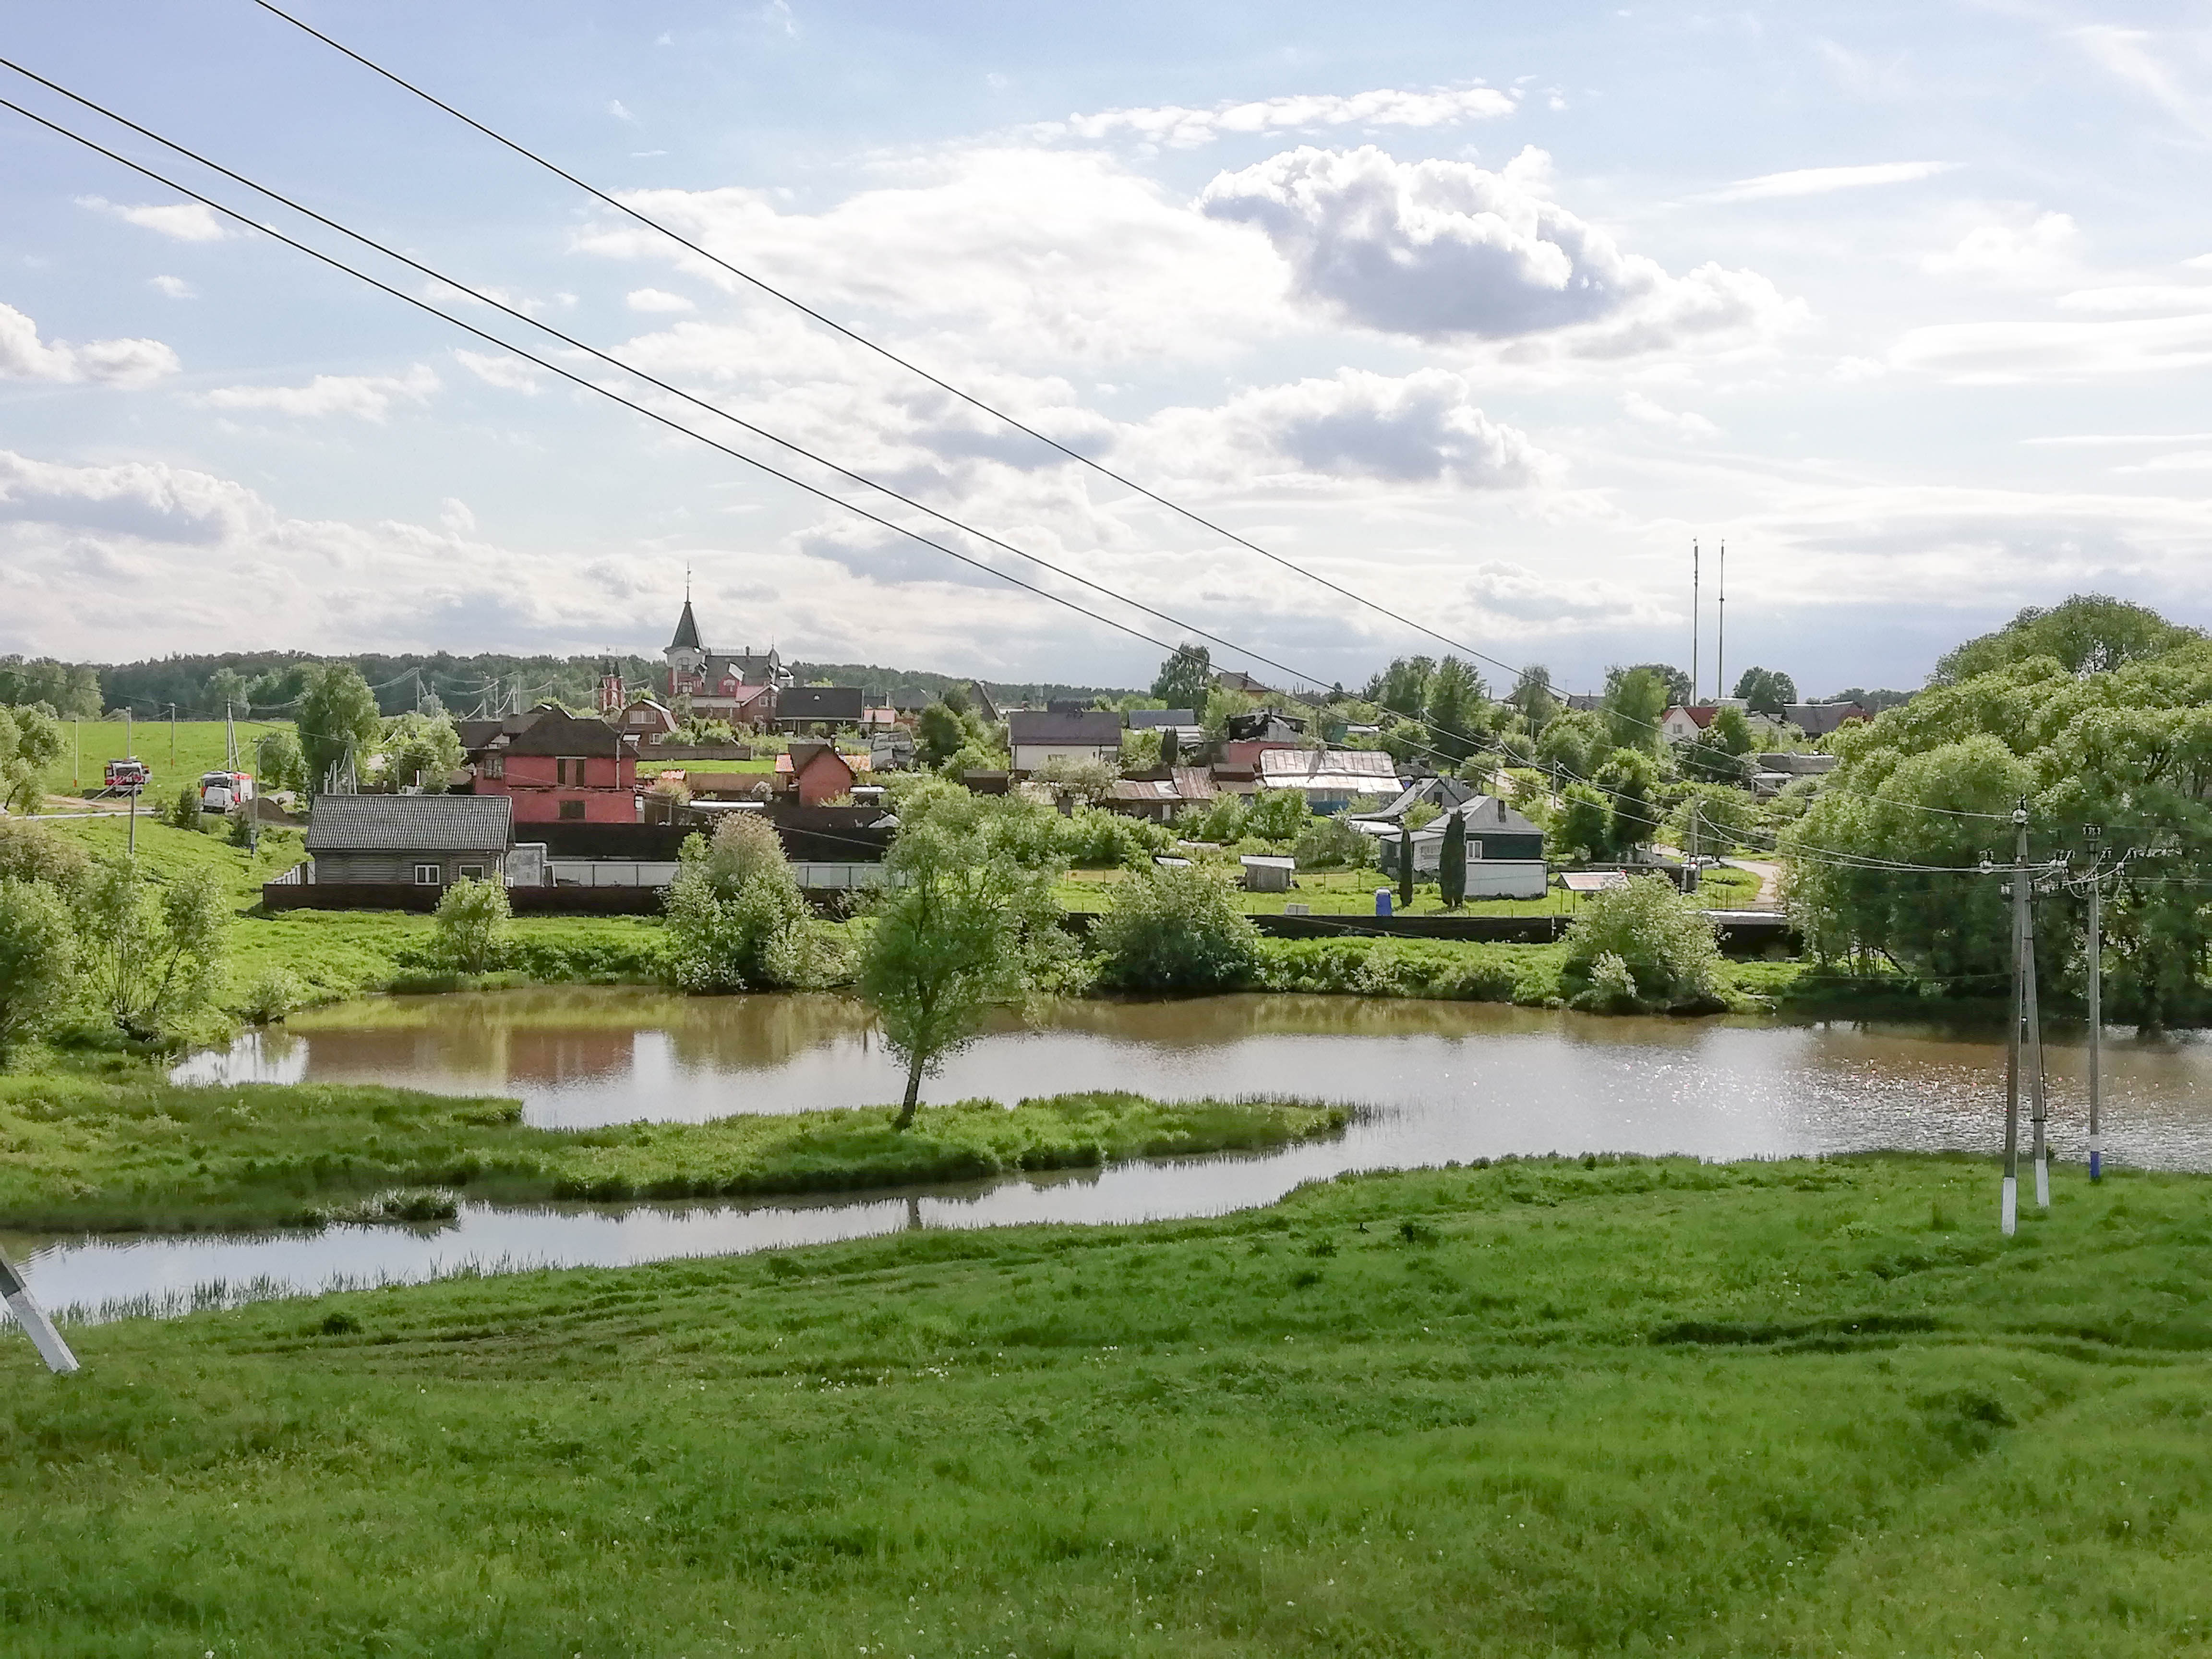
<point x="220" y="791"/>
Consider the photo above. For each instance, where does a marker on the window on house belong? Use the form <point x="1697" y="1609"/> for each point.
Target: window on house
<point x="1473" y="850"/>
<point x="472" y="872"/>
<point x="572" y="809"/>
<point x="569" y="770"/>
<point x="494" y="765"/>
<point x="429" y="875"/>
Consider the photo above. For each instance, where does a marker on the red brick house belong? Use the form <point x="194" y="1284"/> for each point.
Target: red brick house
<point x="814" y="772"/>
<point x="554" y="766"/>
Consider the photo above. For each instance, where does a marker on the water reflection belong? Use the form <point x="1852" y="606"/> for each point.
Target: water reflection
<point x="1435" y="1082"/>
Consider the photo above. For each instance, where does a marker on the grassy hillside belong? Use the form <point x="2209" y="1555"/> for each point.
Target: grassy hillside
<point x="89" y="745"/>
<point x="1639" y="1408"/>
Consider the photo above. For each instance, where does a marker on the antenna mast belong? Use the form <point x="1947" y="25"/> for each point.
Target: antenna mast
<point x="1720" y="644"/>
<point x="1693" y="621"/>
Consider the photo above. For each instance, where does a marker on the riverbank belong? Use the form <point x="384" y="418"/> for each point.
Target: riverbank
<point x="1770" y="1408"/>
<point x="128" y="1150"/>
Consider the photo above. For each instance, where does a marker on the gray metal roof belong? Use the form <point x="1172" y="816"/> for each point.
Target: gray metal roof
<point x="1099" y="727"/>
<point x="411" y="823"/>
<point x="1145" y="720"/>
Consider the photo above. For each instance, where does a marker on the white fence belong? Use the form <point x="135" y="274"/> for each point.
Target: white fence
<point x="639" y="873"/>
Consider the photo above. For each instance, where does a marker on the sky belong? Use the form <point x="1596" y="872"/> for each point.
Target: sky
<point x="1486" y="313"/>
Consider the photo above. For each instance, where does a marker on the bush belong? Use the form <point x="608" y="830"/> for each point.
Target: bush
<point x="159" y="956"/>
<point x="1331" y="843"/>
<point x="1175" y="930"/>
<point x="1276" y="815"/>
<point x="38" y="959"/>
<point x="474" y="925"/>
<point x="184" y="812"/>
<point x="737" y="921"/>
<point x="1662" y="946"/>
<point x="1090" y="839"/>
<point x="272" y="996"/>
<point x="30" y="852"/>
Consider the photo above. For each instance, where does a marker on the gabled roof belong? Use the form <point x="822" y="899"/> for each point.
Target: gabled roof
<point x="1099" y="728"/>
<point x="1818" y="719"/>
<point x="1352" y="771"/>
<point x="551" y="730"/>
<point x="411" y="823"/>
<point x="821" y="702"/>
<point x="1699" y="714"/>
<point x="687" y="631"/>
<point x="1440" y="792"/>
<point x="1145" y="720"/>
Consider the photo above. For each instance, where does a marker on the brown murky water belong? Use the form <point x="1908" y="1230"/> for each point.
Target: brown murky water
<point x="1435" y="1082"/>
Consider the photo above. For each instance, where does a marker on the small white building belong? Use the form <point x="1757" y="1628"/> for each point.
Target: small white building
<point x="1330" y="779"/>
<point x="1037" y="736"/>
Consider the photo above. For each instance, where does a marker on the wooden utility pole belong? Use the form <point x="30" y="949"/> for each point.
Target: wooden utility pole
<point x="131" y="788"/>
<point x="2032" y="1058"/>
<point x="173" y="736"/>
<point x="2008" y="1202"/>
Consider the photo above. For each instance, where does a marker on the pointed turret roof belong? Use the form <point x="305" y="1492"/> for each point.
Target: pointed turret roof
<point x="687" y="631"/>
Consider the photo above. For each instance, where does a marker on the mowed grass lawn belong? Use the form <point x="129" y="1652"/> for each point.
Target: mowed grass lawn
<point x="1641" y="1408"/>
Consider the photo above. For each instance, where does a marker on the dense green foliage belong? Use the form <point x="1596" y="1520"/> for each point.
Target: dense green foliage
<point x="132" y="1151"/>
<point x="418" y="751"/>
<point x="1641" y="945"/>
<point x="70" y="690"/>
<point x="1174" y="930"/>
<point x="338" y="725"/>
<point x="1185" y="678"/>
<point x="1545" y="1408"/>
<point x="153" y="952"/>
<point x="736" y="918"/>
<point x="1934" y="784"/>
<point x="2090" y="634"/>
<point x="475" y="925"/>
<point x="30" y="744"/>
<point x="1767" y="691"/>
<point x="38" y="959"/>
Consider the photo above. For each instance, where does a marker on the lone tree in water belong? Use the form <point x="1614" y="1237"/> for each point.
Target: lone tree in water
<point x="963" y="929"/>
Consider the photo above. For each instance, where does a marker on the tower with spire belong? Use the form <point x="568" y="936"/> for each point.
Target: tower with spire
<point x="738" y="686"/>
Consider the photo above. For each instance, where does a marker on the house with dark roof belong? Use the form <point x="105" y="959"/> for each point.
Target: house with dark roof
<point x="1820" y="720"/>
<point x="554" y="765"/>
<point x="429" y="841"/>
<point x="722" y="685"/>
<point x="1037" y="736"/>
<point x="822" y="708"/>
<point x="1504" y="850"/>
<point x="814" y="773"/>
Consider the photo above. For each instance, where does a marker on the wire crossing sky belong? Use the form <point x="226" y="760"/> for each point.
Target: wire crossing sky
<point x="1481" y="315"/>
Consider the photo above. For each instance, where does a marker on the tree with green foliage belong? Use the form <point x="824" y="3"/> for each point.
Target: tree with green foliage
<point x="1175" y="930"/>
<point x="2088" y="633"/>
<point x="1220" y="821"/>
<point x="1635" y="700"/>
<point x="736" y="918"/>
<point x="184" y="812"/>
<point x="1675" y="683"/>
<point x="38" y="959"/>
<point x="1141" y="749"/>
<point x="1531" y="694"/>
<point x="1577" y="742"/>
<point x="1404" y="848"/>
<point x="70" y="690"/>
<point x="1276" y="815"/>
<point x="1403" y="687"/>
<point x="939" y="732"/>
<point x="961" y="929"/>
<point x="418" y="752"/>
<point x="1584" y="828"/>
<point x="278" y="764"/>
<point x="31" y="852"/>
<point x="1642" y="943"/>
<point x="30" y="742"/>
<point x="1711" y="818"/>
<point x="1629" y="781"/>
<point x="1767" y="691"/>
<point x="1330" y="843"/>
<point x="152" y="959"/>
<point x="338" y="720"/>
<point x="1451" y="863"/>
<point x="474" y="925"/>
<point x="1932" y="784"/>
<point x="1184" y="679"/>
<point x="229" y="691"/>
<point x="1080" y="778"/>
<point x="1721" y="753"/>
<point x="1455" y="710"/>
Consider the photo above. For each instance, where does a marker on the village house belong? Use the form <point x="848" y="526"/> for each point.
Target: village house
<point x="1680" y="725"/>
<point x="739" y="687"/>
<point x="822" y="709"/>
<point x="815" y="774"/>
<point x="554" y="765"/>
<point x="1331" y="780"/>
<point x="1063" y="731"/>
<point x="424" y="840"/>
<point x="1504" y="850"/>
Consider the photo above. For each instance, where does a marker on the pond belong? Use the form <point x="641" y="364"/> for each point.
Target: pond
<point x="1435" y="1082"/>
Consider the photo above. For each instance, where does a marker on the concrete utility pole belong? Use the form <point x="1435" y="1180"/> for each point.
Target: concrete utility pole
<point x="2032" y="1047"/>
<point x="2009" y="1203"/>
<point x="131" y="788"/>
<point x="33" y="1318"/>
<point x="2095" y="833"/>
<point x="173" y="736"/>
<point x="1693" y="623"/>
<point x="1720" y="641"/>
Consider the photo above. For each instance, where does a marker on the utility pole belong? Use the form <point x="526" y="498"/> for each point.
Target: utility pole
<point x="2032" y="1058"/>
<point x="2009" y="1203"/>
<point x="33" y="1318"/>
<point x="133" y="786"/>
<point x="2095" y="833"/>
<point x="173" y="736"/>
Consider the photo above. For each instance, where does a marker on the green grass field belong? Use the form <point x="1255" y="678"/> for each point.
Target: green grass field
<point x="1637" y="1408"/>
<point x="130" y="1151"/>
<point x="89" y="745"/>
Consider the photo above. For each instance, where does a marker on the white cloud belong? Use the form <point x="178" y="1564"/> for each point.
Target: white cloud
<point x="1821" y="181"/>
<point x="1421" y="429"/>
<point x="2139" y="58"/>
<point x="129" y="363"/>
<point x="457" y="516"/>
<point x="1439" y="250"/>
<point x="1021" y="252"/>
<point x="367" y="396"/>
<point x="2016" y="250"/>
<point x="188" y="222"/>
<point x="777" y="14"/>
<point x="653" y="299"/>
<point x="1180" y="128"/>
<point x="2010" y="353"/>
<point x="2138" y="296"/>
<point x="615" y="108"/>
<point x="176" y="288"/>
<point x="1683" y="423"/>
<point x="1501" y="592"/>
<point x="499" y="369"/>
